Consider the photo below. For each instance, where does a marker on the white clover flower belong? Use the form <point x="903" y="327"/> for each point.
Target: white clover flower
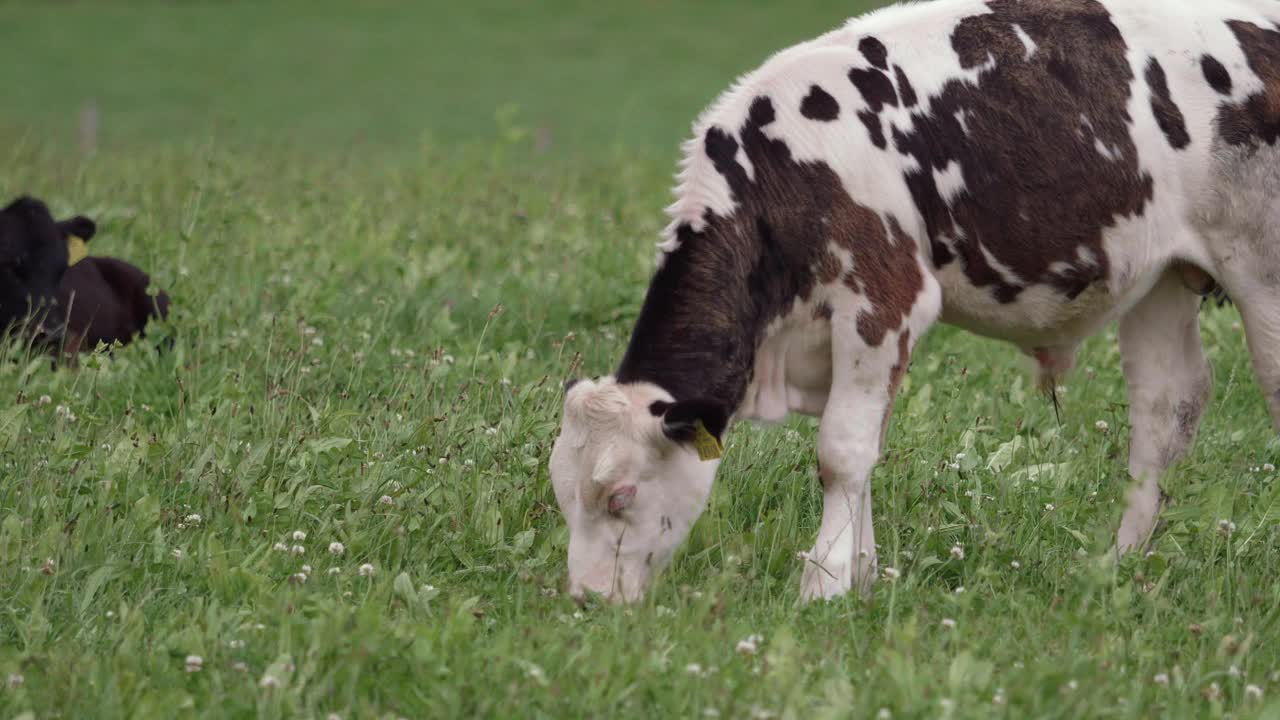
<point x="1253" y="692"/>
<point x="235" y="644"/>
<point x="535" y="673"/>
<point x="386" y="500"/>
<point x="748" y="645"/>
<point x="193" y="519"/>
<point x="337" y="548"/>
<point x="366" y="570"/>
<point x="195" y="663"/>
<point x="1234" y="671"/>
<point x="44" y="400"/>
<point x="178" y="554"/>
<point x="306" y="569"/>
<point x="1268" y="467"/>
<point x="948" y="623"/>
<point x="298" y="550"/>
<point x="298" y="578"/>
<point x="960" y="590"/>
<point x="491" y="431"/>
<point x="1015" y="565"/>
<point x="269" y="682"/>
<point x="884" y="714"/>
<point x="693" y="669"/>
<point x="1049" y="507"/>
<point x="280" y="547"/>
<point x="549" y="592"/>
<point x="957" y="552"/>
<point x="1226" y="527"/>
<point x="891" y="573"/>
<point x="299" y="535"/>
<point x="1072" y="686"/>
<point x="334" y="570"/>
<point x="1161" y="679"/>
<point x="998" y="698"/>
<point x="1102" y="426"/>
<point x="15" y="681"/>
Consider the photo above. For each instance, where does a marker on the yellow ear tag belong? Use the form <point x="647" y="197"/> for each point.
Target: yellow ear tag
<point x="709" y="448"/>
<point x="77" y="250"/>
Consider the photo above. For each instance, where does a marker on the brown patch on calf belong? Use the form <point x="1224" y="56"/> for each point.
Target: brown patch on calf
<point x="1216" y="74"/>
<point x="1187" y="416"/>
<point x="1257" y="119"/>
<point x="828" y="268"/>
<point x="1168" y="114"/>
<point x="884" y="271"/>
<point x="875" y="52"/>
<point x="1187" y="413"/>
<point x="905" y="88"/>
<point x="819" y="105"/>
<point x="1037" y="193"/>
<point x="708" y="306"/>
<point x="896" y="374"/>
<point x="876" y="88"/>
<point x="875" y="129"/>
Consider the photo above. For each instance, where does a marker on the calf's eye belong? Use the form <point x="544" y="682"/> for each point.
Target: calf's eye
<point x="621" y="498"/>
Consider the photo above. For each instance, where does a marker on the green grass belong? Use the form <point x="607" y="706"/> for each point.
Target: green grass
<point x="351" y="325"/>
<point x="386" y="74"/>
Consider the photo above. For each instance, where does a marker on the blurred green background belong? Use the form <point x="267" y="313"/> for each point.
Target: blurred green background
<point x="577" y="75"/>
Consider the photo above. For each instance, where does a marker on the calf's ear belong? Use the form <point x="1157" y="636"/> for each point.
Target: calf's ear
<point x="680" y="419"/>
<point x="79" y="226"/>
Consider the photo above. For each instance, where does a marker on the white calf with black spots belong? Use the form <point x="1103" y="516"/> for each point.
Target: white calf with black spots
<point x="1029" y="170"/>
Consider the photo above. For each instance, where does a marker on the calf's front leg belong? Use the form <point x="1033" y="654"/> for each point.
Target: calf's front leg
<point x="864" y="382"/>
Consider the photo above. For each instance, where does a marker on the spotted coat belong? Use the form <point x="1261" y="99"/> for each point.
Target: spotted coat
<point x="1029" y="170"/>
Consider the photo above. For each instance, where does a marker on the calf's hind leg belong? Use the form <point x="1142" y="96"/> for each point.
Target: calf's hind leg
<point x="1260" y="310"/>
<point x="1169" y="383"/>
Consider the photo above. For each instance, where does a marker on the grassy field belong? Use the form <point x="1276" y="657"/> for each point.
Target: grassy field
<point x="330" y="499"/>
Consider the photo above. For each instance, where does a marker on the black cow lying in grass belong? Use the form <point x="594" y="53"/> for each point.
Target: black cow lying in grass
<point x="60" y="299"/>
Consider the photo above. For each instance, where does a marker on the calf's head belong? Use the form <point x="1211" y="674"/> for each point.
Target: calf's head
<point x="34" y="254"/>
<point x="630" y="481"/>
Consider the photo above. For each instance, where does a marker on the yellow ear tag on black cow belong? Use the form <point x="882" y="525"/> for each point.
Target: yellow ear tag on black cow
<point x="77" y="250"/>
<point x="709" y="448"/>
